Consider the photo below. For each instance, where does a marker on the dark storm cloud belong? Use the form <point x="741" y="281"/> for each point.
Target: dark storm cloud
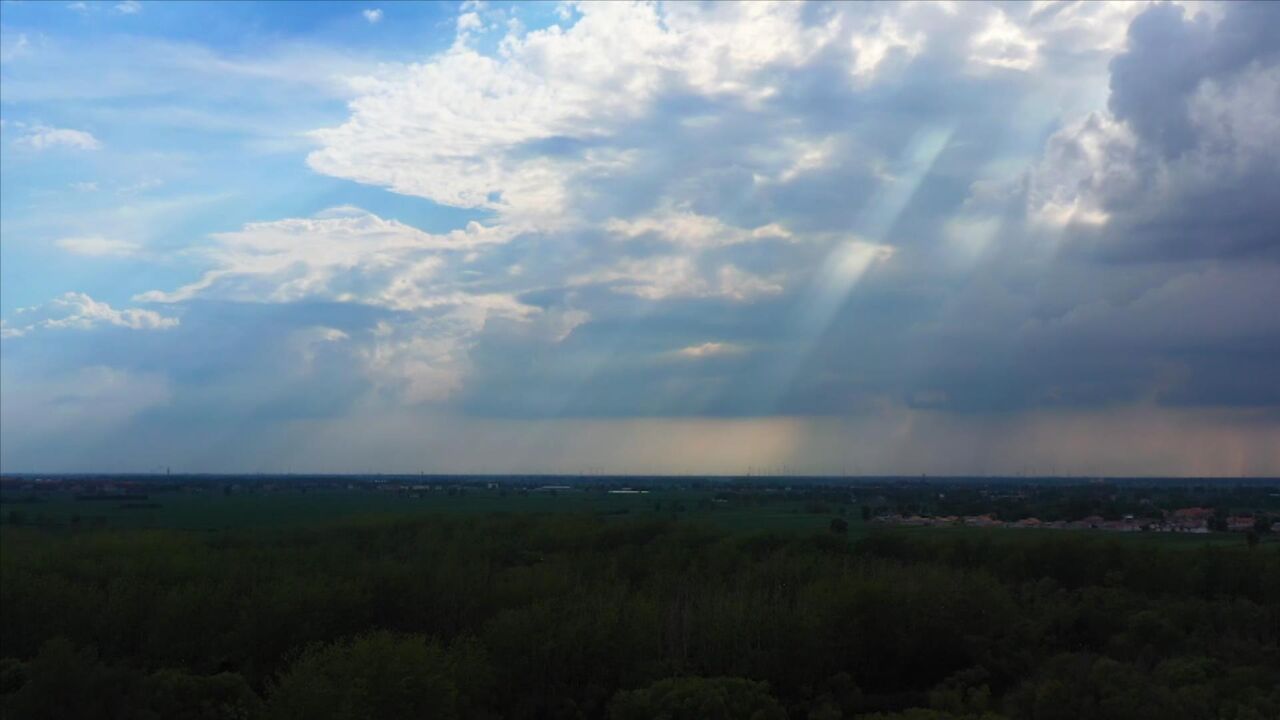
<point x="1170" y="54"/>
<point x="1199" y="178"/>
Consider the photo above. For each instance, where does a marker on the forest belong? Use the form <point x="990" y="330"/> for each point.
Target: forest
<point x="574" y="615"/>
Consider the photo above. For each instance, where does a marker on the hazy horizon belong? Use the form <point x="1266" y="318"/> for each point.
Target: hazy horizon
<point x="965" y="239"/>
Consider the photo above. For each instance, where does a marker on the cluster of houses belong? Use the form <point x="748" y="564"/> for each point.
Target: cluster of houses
<point x="1185" y="520"/>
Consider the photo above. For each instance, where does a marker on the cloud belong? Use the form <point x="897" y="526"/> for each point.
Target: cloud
<point x="971" y="237"/>
<point x="661" y="278"/>
<point x="1171" y="55"/>
<point x="139" y="187"/>
<point x="1182" y="162"/>
<point x="347" y="255"/>
<point x="13" y="46"/>
<point x="883" y="41"/>
<point x="1079" y="169"/>
<point x="73" y="414"/>
<point x="147" y="80"/>
<point x="343" y="254"/>
<point x="43" y="137"/>
<point x="455" y="129"/>
<point x="709" y="349"/>
<point x="97" y="246"/>
<point x="689" y="229"/>
<point x="129" y="7"/>
<point x="372" y="15"/>
<point x="1004" y="44"/>
<point x="77" y="311"/>
<point x="749" y="161"/>
<point x="469" y="21"/>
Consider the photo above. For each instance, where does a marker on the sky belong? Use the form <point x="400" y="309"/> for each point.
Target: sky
<point x="858" y="238"/>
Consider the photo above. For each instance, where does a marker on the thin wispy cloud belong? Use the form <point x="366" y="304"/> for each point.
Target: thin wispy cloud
<point x="709" y="349"/>
<point x="13" y="46"/>
<point x="97" y="246"/>
<point x="43" y="137"/>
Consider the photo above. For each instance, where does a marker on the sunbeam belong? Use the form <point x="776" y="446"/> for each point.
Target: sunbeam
<point x="849" y="260"/>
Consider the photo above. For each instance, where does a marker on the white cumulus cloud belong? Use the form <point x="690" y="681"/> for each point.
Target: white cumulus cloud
<point x="348" y="255"/>
<point x="452" y="129"/>
<point x="43" y="137"/>
<point x="1004" y="44"/>
<point x="343" y="254"/>
<point x="78" y="311"/>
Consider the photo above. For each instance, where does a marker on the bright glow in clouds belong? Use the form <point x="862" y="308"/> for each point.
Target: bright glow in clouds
<point x="643" y="237"/>
<point x="709" y="349"/>
<point x="1003" y="44"/>
<point x="879" y="43"/>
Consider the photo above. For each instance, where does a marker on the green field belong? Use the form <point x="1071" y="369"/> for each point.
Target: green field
<point x="213" y="510"/>
<point x="216" y="511"/>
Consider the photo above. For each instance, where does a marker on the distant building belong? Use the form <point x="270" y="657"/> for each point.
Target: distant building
<point x="1240" y="523"/>
<point x="1194" y="519"/>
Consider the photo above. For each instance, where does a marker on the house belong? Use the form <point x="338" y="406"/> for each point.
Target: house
<point x="1194" y="519"/>
<point x="1240" y="523"/>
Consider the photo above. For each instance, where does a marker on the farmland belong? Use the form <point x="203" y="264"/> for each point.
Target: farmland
<point x="736" y="504"/>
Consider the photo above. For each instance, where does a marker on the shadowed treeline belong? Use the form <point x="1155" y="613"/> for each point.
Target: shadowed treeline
<point x="571" y="616"/>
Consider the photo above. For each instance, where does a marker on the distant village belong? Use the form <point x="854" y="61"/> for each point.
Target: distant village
<point x="1184" y="520"/>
